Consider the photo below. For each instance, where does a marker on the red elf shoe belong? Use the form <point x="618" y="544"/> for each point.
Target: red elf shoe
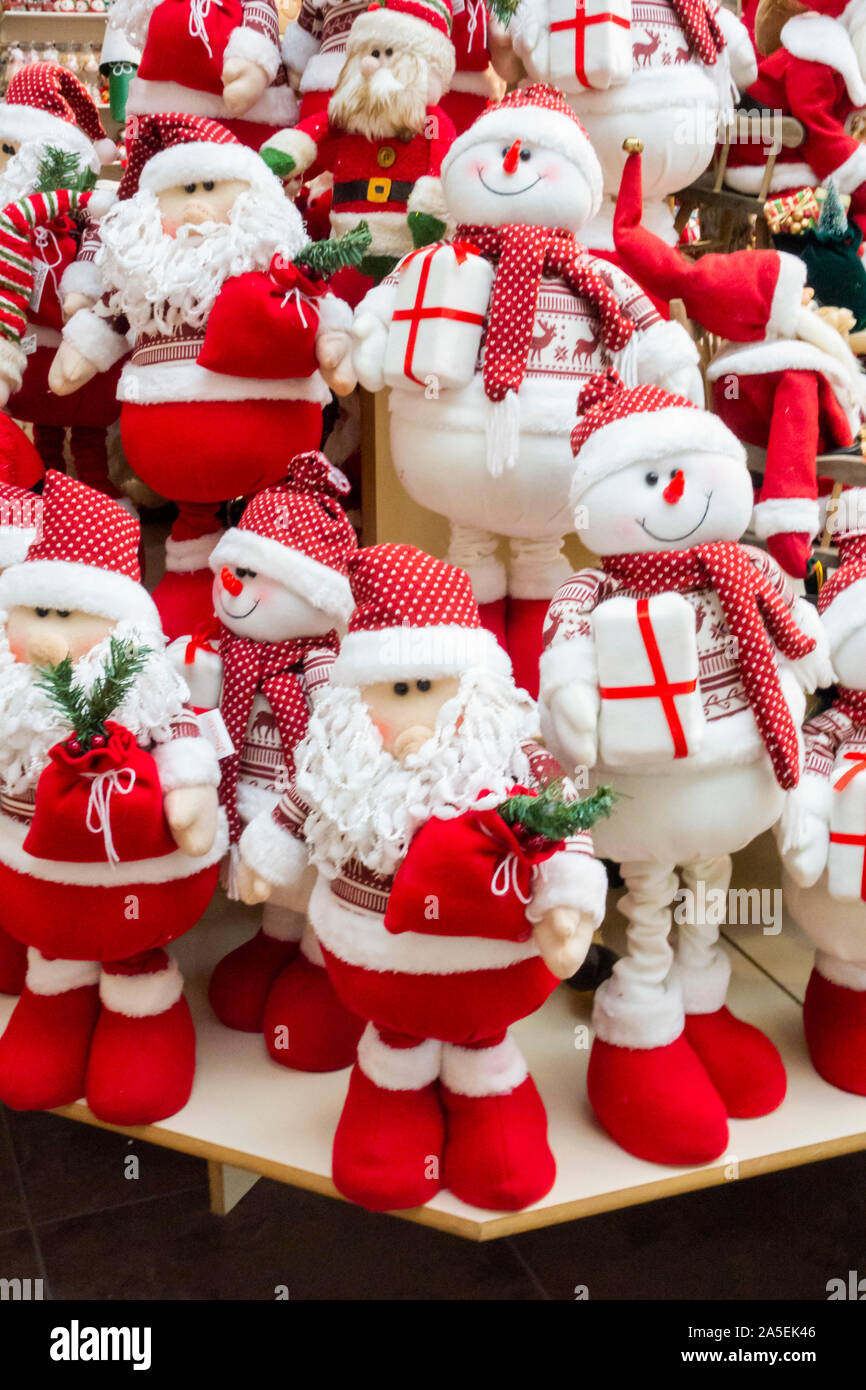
<point x="306" y="1026"/>
<point x="43" y="1052"/>
<point x="742" y="1063"/>
<point x="834" y="1019"/>
<point x="242" y="980"/>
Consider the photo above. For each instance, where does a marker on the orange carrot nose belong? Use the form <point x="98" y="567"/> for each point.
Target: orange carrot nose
<point x="674" y="490"/>
<point x="509" y="163"/>
<point x="231" y="582"/>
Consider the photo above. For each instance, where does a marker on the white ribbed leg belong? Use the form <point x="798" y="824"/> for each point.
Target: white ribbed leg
<point x="310" y="947"/>
<point x="58" y="976"/>
<point x="640" y="1006"/>
<point x="849" y="974"/>
<point x="702" y="966"/>
<point x="283" y="923"/>
<point x="537" y="567"/>
<point x="483" y="1071"/>
<point x="474" y="551"/>
<point x="398" y="1068"/>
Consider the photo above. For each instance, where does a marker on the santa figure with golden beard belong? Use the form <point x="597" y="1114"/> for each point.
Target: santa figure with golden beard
<point x="235" y="347"/>
<point x="437" y="922"/>
<point x="383" y="136"/>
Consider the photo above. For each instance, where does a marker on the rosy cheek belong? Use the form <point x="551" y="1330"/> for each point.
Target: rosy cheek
<point x="170" y="226"/>
<point x="18" y="652"/>
<point x="385" y="729"/>
<point x="478" y="167"/>
<point x="553" y="174"/>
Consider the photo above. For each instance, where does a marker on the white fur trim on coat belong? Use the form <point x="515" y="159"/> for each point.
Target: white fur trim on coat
<point x="199" y="159"/>
<point x="185" y="557"/>
<point x="747" y="178"/>
<point x="95" y="339"/>
<point x="570" y="662"/>
<point x="425" y="653"/>
<point x="845" y="379"/>
<point x="845" y="973"/>
<point x="788" y="294"/>
<point x="850" y="175"/>
<point x="298" y="47"/>
<point x="276" y="106"/>
<point x="854" y="14"/>
<point x="81" y="277"/>
<point x="248" y="43"/>
<point x="325" y="588"/>
<point x="816" y="38"/>
<point x="273" y="853"/>
<point x="638" y="1020"/>
<point x="141" y="996"/>
<point x="398" y="1068"/>
<point x="545" y="128"/>
<point x="58" y="976"/>
<point x="650" y="435"/>
<point x="187" y="762"/>
<point x="391" y="235"/>
<point x="781" y="514"/>
<point x="483" y="1071"/>
<point x="572" y="879"/>
<point x="297" y="144"/>
<point x="840" y="618"/>
<point x="56" y="583"/>
<point x="187" y="381"/>
<point x="704" y="988"/>
<point x="744" y="64"/>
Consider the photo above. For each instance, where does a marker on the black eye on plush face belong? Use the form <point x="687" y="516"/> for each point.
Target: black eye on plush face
<point x="8" y="149"/>
<point x="389" y="52"/>
<point x="375" y="53"/>
<point x="63" y="612"/>
<point x="423" y="686"/>
<point x="190" y="187"/>
<point x="651" y="479"/>
<point x="245" y="574"/>
<point x="525" y="155"/>
<point x="401" y="688"/>
<point x="42" y="612"/>
<point x="208" y="185"/>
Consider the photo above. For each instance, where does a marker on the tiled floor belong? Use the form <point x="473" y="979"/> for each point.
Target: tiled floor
<point x="76" y="1211"/>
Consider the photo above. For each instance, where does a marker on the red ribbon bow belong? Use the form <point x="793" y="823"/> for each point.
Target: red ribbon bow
<point x="288" y="277"/>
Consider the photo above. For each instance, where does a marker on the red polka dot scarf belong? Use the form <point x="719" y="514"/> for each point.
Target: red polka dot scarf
<point x="757" y="617"/>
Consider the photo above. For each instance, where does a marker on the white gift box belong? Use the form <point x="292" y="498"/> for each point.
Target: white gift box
<point x="590" y="43"/>
<point x="647" y="658"/>
<point x="441" y="304"/>
<point x="200" y="665"/>
<point x="846" y="858"/>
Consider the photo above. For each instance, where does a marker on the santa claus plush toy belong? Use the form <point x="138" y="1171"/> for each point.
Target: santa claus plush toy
<point x="677" y="671"/>
<point x="436" y="919"/>
<point x="224" y="383"/>
<point x="821" y="834"/>
<point x="785" y="382"/>
<point x="665" y="70"/>
<point x="486" y="353"/>
<point x="220" y="61"/>
<point x="383" y="134"/>
<point x="818" y="74"/>
<point x="110" y="838"/>
<point x="51" y="136"/>
<point x="281" y="593"/>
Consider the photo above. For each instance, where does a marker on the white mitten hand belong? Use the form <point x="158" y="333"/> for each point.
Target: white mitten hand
<point x="252" y="888"/>
<point x="191" y="813"/>
<point x="563" y="937"/>
<point x="805" y="856"/>
<point x="334" y="355"/>
<point x="685" y="381"/>
<point x="572" y="714"/>
<point x="243" y="83"/>
<point x="370" y="341"/>
<point x="69" y="371"/>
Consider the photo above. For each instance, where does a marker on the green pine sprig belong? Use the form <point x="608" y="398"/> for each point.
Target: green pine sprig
<point x="61" y="169"/>
<point x="504" y="10"/>
<point x="550" y="815"/>
<point x="86" y="710"/>
<point x="325" y="258"/>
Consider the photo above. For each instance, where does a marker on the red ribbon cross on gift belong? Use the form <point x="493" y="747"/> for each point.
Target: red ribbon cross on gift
<point x="418" y="314"/>
<point x="664" y="690"/>
<point x="581" y="22"/>
<point x="837" y="837"/>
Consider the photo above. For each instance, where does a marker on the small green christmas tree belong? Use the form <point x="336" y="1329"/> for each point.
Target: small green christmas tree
<point x="549" y="817"/>
<point x="833" y="221"/>
<point x="61" y="169"/>
<point x="87" y="711"/>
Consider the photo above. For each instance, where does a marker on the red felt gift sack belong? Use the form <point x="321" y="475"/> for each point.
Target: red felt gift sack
<point x="469" y="876"/>
<point x="178" y="51"/>
<point x="263" y="326"/>
<point x="103" y="806"/>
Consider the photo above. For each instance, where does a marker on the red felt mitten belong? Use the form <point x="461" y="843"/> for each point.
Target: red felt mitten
<point x="264" y="326"/>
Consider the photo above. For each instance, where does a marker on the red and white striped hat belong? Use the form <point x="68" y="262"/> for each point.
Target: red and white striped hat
<point x="299" y="535"/>
<point x="618" y="426"/>
<point x="47" y="105"/>
<point x="424" y="25"/>
<point x="171" y="148"/>
<point x="85" y="558"/>
<point x="539" y="113"/>
<point x="415" y="617"/>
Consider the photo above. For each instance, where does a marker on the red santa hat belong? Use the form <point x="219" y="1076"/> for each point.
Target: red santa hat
<point x="539" y="113"/>
<point x="618" y="426"/>
<point x="299" y="535"/>
<point x="47" y="105"/>
<point x="170" y="148"/>
<point x="416" y="617"/>
<point x="423" y="25"/>
<point x="85" y="558"/>
<point x="842" y="600"/>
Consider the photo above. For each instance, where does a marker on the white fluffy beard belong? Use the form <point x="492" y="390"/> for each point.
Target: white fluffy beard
<point x="392" y="102"/>
<point x="367" y="805"/>
<point x="858" y="39"/>
<point x="132" y="17"/>
<point x="21" y="174"/>
<point x="160" y="283"/>
<point x="30" y="725"/>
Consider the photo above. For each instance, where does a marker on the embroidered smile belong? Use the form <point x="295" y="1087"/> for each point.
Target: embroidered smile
<point x="686" y="534"/>
<point x="509" y="192"/>
<point x="238" y="617"/>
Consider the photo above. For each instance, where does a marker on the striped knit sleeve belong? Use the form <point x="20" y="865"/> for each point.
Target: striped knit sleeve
<point x="822" y="737"/>
<point x="257" y="37"/>
<point x="317" y="671"/>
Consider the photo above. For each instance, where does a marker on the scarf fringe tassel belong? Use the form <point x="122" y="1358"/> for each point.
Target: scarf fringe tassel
<point x="503" y="434"/>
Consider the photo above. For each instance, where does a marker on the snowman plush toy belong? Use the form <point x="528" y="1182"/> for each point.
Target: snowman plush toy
<point x="677" y="670"/>
<point x="821" y="831"/>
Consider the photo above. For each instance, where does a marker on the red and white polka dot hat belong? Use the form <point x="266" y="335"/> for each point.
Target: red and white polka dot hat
<point x="415" y="618"/>
<point x="299" y="535"/>
<point x="47" y="105"/>
<point x="619" y="425"/>
<point x="86" y="557"/>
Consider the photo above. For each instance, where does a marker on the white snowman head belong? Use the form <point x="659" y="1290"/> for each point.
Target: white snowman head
<point x="654" y="473"/>
<point x="526" y="160"/>
<point x="282" y="573"/>
<point x="842" y="601"/>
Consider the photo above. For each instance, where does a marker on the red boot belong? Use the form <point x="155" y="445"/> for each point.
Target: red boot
<point x="496" y="1150"/>
<point x="658" y="1103"/>
<point x="306" y="1027"/>
<point x="492" y="617"/>
<point x="388" y="1146"/>
<point x="241" y="982"/>
<point x="13" y="964"/>
<point x="524" y="628"/>
<point x="742" y="1063"/>
<point x="43" y="1052"/>
<point x="142" y="1058"/>
<point x="834" y="1018"/>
